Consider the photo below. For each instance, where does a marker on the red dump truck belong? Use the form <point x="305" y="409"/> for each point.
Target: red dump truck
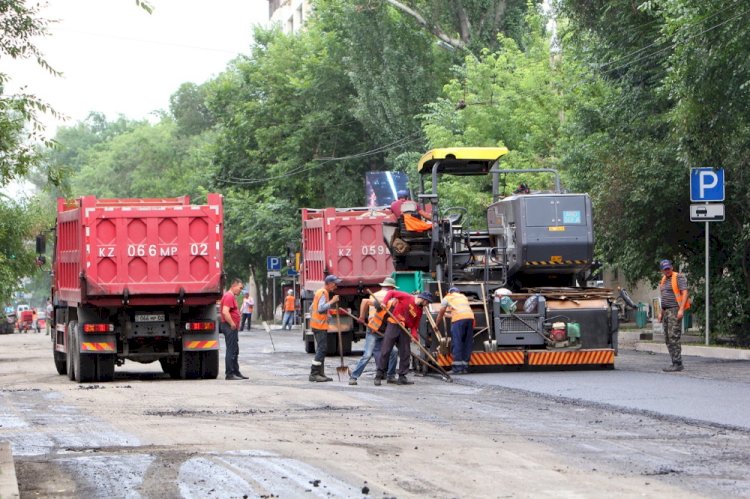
<point x="348" y="243"/>
<point x="137" y="279"/>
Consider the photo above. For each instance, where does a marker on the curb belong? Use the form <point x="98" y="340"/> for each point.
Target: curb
<point x="632" y="340"/>
<point x="8" y="482"/>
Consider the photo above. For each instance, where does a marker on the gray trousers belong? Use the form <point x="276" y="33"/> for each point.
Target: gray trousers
<point x="321" y="345"/>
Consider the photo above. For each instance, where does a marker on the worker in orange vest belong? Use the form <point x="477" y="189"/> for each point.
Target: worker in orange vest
<point x="290" y="305"/>
<point x="321" y="305"/>
<point x="674" y="302"/>
<point x="462" y="328"/>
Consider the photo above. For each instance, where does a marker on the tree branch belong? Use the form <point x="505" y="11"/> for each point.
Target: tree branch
<point x="435" y="30"/>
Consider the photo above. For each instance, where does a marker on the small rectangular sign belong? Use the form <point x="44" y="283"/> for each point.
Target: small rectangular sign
<point x="706" y="184"/>
<point x="713" y="212"/>
<point x="149" y="317"/>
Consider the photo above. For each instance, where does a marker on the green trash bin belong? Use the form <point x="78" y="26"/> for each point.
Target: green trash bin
<point x="641" y="316"/>
<point x="687" y="320"/>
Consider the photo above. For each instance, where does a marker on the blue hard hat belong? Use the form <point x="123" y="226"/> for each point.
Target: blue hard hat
<point x="403" y="194"/>
<point x="454" y="290"/>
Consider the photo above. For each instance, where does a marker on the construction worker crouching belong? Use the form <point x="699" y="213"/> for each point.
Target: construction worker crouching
<point x="406" y="314"/>
<point x="319" y="310"/>
<point x="462" y="328"/>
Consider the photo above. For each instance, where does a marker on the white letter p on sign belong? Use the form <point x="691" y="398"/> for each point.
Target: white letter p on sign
<point x="705" y="183"/>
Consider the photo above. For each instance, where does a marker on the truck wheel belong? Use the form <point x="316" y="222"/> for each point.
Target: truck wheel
<point x="84" y="364"/>
<point x="346" y="342"/>
<point x="71" y="346"/>
<point x="170" y="368"/>
<point x="105" y="367"/>
<point x="61" y="363"/>
<point x="210" y="364"/>
<point x="190" y="365"/>
<point x="310" y="346"/>
<point x="332" y="346"/>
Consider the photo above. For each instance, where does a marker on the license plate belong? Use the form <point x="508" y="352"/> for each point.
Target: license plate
<point x="149" y="317"/>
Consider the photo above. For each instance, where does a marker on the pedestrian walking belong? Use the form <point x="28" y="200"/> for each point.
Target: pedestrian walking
<point x="290" y="305"/>
<point x="247" y="311"/>
<point x="49" y="316"/>
<point x="321" y="305"/>
<point x="376" y="324"/>
<point x="229" y="327"/>
<point x="462" y="328"/>
<point x="674" y="301"/>
<point x="407" y="312"/>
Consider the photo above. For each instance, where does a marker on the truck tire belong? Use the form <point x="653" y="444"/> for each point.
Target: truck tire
<point x="170" y="368"/>
<point x="346" y="342"/>
<point x="310" y="346"/>
<point x="105" y="367"/>
<point x="69" y="364"/>
<point x="332" y="345"/>
<point x="84" y="364"/>
<point x="190" y="365"/>
<point x="61" y="363"/>
<point x="210" y="364"/>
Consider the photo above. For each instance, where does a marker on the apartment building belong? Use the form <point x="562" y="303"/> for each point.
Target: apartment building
<point x="289" y="14"/>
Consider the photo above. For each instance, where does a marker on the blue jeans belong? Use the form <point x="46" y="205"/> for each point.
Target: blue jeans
<point x="288" y="320"/>
<point x="373" y="343"/>
<point x="462" y="337"/>
<point x="246" y="318"/>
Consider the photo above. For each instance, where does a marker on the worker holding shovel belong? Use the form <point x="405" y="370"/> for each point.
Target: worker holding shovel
<point x="321" y="305"/>
<point x="406" y="314"/>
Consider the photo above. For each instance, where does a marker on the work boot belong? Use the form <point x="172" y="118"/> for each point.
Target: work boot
<point x="322" y="371"/>
<point x="673" y="368"/>
<point x="402" y="380"/>
<point x="379" y="375"/>
<point x="352" y="381"/>
<point x="316" y="375"/>
<point x="391" y="380"/>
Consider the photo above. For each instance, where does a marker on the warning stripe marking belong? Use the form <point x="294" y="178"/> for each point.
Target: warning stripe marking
<point x="98" y="347"/>
<point x="201" y="344"/>
<point x="557" y="262"/>
<point x="578" y="357"/>
<point x="535" y="358"/>
<point x="510" y="358"/>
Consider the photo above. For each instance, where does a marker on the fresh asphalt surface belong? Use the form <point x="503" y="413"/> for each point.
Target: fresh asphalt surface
<point x="679" y="395"/>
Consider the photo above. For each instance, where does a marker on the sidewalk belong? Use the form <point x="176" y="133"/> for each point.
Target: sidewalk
<point x="8" y="482"/>
<point x="632" y="340"/>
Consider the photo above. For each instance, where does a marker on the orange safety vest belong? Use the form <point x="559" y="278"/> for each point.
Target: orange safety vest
<point x="377" y="322"/>
<point x="289" y="303"/>
<point x="318" y="320"/>
<point x="460" y="308"/>
<point x="675" y="289"/>
<point x="413" y="224"/>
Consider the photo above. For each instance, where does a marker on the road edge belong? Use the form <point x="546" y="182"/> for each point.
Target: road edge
<point x="8" y="481"/>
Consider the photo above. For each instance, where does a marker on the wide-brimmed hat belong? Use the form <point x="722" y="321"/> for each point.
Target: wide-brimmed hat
<point x="388" y="281"/>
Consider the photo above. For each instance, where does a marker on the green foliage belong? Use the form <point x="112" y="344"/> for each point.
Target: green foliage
<point x="676" y="71"/>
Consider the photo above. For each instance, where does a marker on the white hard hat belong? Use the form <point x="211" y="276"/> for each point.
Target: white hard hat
<point x="290" y="292"/>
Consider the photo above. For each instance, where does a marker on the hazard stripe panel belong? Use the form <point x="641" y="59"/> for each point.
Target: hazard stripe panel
<point x="200" y="345"/>
<point x="575" y="357"/>
<point x="557" y="262"/>
<point x="510" y="358"/>
<point x="97" y="347"/>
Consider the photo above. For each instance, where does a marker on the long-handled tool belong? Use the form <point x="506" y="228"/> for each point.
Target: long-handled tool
<point x="268" y="330"/>
<point x="445" y="376"/>
<point x="443" y="342"/>
<point x="341" y="370"/>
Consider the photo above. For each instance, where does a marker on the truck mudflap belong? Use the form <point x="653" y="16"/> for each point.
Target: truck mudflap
<point x="588" y="357"/>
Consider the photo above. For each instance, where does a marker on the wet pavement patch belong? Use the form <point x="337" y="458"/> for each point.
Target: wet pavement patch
<point x="205" y="412"/>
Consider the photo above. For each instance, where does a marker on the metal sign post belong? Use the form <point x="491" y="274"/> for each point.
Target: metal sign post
<point x="706" y="186"/>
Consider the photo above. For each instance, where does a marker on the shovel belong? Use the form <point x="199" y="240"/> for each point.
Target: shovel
<point x="341" y="370"/>
<point x="490" y="345"/>
<point x="268" y="330"/>
<point x="443" y="342"/>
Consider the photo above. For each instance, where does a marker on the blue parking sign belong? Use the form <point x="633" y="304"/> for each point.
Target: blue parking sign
<point x="706" y="184"/>
<point x="273" y="263"/>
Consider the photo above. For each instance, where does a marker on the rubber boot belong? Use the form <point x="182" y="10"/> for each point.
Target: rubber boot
<point x="379" y="375"/>
<point x="322" y="371"/>
<point x="315" y="374"/>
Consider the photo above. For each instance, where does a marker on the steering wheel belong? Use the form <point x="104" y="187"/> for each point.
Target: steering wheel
<point x="455" y="214"/>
